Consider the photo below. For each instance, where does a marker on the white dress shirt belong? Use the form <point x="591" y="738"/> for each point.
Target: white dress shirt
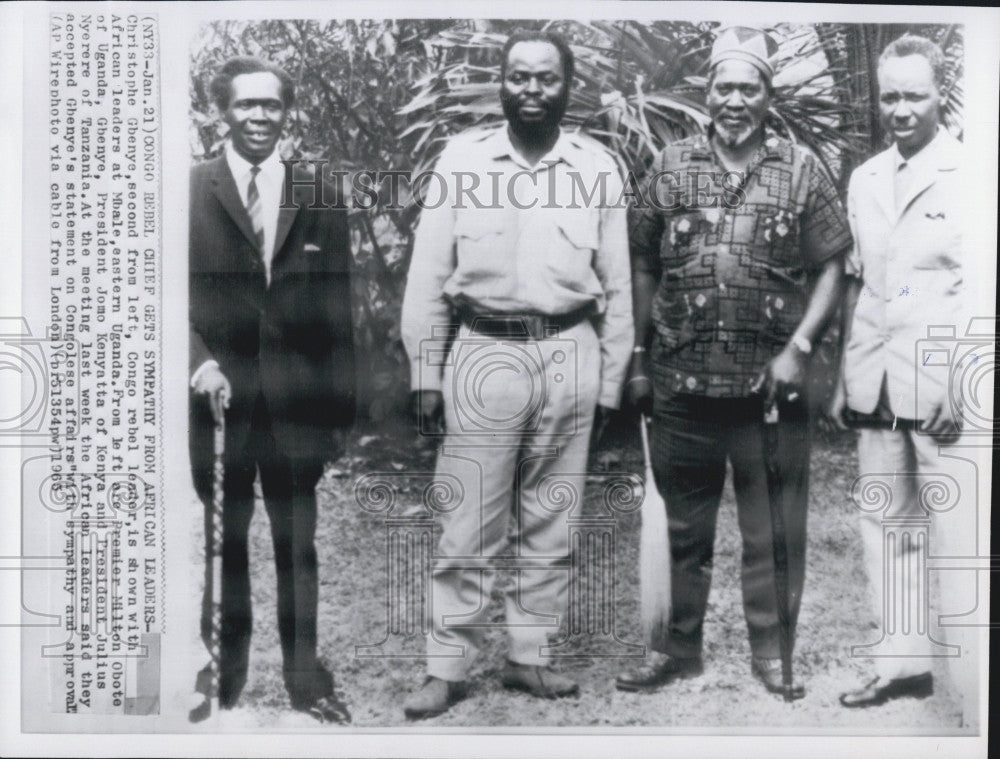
<point x="269" y="183"/>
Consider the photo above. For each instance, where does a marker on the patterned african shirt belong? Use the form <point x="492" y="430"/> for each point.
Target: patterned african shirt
<point x="733" y="253"/>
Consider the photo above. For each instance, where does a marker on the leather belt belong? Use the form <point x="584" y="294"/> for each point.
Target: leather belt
<point x="522" y="326"/>
<point x="878" y="421"/>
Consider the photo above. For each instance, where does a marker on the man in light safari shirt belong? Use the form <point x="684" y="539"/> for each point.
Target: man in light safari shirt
<point x="538" y="279"/>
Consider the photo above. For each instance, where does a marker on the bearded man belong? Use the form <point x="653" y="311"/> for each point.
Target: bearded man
<point x="540" y="286"/>
<point x="737" y="250"/>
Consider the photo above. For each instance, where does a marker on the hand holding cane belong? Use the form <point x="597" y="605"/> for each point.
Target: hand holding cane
<point x="210" y="701"/>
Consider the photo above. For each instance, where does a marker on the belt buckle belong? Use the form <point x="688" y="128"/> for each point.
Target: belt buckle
<point x="520" y="327"/>
<point x="534" y="325"/>
<point x="501" y="327"/>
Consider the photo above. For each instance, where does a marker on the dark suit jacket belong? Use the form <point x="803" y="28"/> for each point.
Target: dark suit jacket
<point x="291" y="340"/>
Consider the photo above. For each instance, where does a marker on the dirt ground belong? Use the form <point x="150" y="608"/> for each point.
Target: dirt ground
<point x="353" y="585"/>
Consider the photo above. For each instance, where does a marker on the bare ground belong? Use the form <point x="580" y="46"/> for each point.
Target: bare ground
<point x="835" y="615"/>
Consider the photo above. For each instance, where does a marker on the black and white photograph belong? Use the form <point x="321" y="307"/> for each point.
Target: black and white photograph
<point x="520" y="381"/>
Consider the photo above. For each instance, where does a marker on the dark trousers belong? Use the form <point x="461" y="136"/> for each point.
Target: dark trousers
<point x="288" y="487"/>
<point x="693" y="437"/>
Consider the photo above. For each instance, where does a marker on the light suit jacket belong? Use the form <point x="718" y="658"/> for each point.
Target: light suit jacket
<point x="911" y="264"/>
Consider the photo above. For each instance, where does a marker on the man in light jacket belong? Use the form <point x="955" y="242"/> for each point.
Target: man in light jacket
<point x="908" y="273"/>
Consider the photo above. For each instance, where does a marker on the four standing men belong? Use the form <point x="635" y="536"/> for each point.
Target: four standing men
<point x="737" y="252"/>
<point x="540" y="286"/>
<point x="272" y="350"/>
<point x="518" y="325"/>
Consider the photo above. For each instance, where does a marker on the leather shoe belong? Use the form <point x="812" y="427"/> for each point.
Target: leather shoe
<point x="307" y="686"/>
<point x="658" y="670"/>
<point x="878" y="691"/>
<point x="768" y="671"/>
<point x="435" y="697"/>
<point x="538" y="681"/>
<point x="230" y="686"/>
<point x="329" y="709"/>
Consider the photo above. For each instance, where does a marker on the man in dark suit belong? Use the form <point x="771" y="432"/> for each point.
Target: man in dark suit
<point x="271" y="349"/>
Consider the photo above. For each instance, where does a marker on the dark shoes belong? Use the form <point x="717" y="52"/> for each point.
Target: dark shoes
<point x="878" y="691"/>
<point x="538" y="681"/>
<point x="435" y="697"/>
<point x="312" y="692"/>
<point x="768" y="671"/>
<point x="328" y="710"/>
<point x="230" y="686"/>
<point x="659" y="670"/>
<point x="662" y="669"/>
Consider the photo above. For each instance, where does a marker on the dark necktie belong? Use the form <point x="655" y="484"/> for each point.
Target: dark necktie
<point x="254" y="210"/>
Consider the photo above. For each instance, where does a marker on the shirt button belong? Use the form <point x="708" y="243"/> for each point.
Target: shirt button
<point x="722" y="287"/>
<point x="722" y="323"/>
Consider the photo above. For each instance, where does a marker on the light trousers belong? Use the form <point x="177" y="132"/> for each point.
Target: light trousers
<point x="518" y="416"/>
<point x="920" y="523"/>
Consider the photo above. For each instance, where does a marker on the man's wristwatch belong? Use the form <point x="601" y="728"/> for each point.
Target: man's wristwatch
<point x="802" y="343"/>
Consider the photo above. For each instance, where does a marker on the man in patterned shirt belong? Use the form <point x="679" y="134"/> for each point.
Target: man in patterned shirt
<point x="737" y="257"/>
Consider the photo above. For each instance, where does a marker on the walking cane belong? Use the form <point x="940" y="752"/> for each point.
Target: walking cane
<point x="772" y="467"/>
<point x="654" y="555"/>
<point x="210" y="701"/>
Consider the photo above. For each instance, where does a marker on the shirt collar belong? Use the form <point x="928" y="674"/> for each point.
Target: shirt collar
<point x="500" y="146"/>
<point x="924" y="156"/>
<point x="702" y="147"/>
<point x="271" y="167"/>
<point x="772" y="146"/>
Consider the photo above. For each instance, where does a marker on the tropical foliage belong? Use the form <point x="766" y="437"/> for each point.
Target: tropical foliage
<point x="382" y="95"/>
<point x="853" y="51"/>
<point x="638" y="86"/>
